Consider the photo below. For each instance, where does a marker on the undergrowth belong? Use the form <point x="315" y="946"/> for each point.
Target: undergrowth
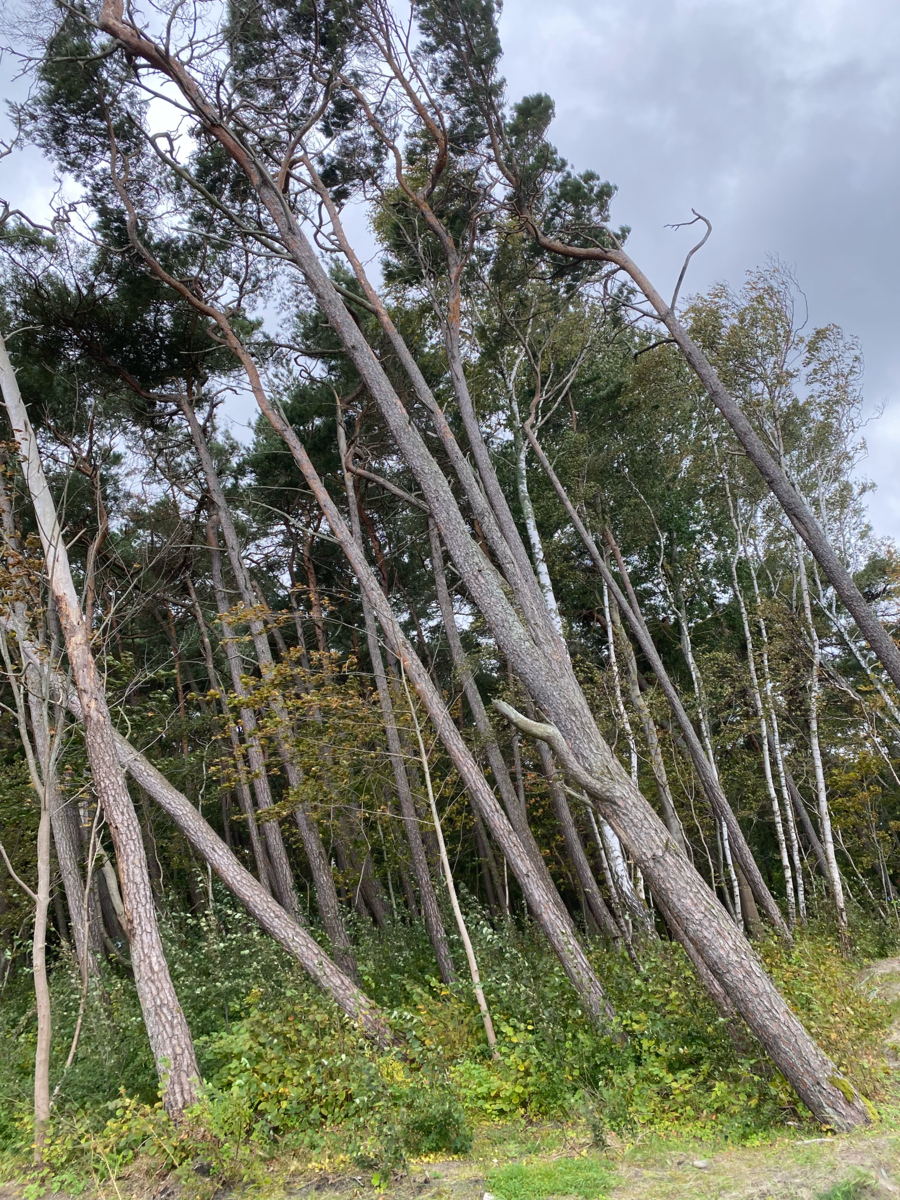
<point x="284" y="1073"/>
<point x="582" y="1177"/>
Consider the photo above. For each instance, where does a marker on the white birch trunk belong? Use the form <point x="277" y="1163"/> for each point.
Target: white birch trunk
<point x="611" y="842"/>
<point x="772" y="716"/>
<point x="764" y="748"/>
<point x="706" y="734"/>
<point x="825" y="831"/>
<point x="448" y="877"/>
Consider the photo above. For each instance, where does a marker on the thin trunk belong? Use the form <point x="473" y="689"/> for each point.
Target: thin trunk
<point x="631" y="610"/>
<point x="315" y="603"/>
<point x="613" y="846"/>
<point x="448" y="879"/>
<point x="513" y="799"/>
<point x="759" y="709"/>
<point x="39" y="769"/>
<point x="798" y="512"/>
<point x="168" y="625"/>
<point x="83" y="917"/>
<point x="496" y="892"/>
<point x="531" y="528"/>
<point x="574" y="847"/>
<point x="640" y="706"/>
<point x="167" y="1029"/>
<point x="805" y="824"/>
<point x="825" y="832"/>
<point x="774" y="745"/>
<point x="326" y="894"/>
<point x="41" y="984"/>
<point x="281" y="878"/>
<point x="621" y="711"/>
<point x="706" y="733"/>
<point x="434" y="922"/>
<point x="242" y="787"/>
<point x="258" y="902"/>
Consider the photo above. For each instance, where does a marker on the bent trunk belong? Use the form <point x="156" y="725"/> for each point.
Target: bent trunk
<point x="167" y="1029"/>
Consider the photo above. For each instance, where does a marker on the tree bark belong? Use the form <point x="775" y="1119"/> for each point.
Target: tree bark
<point x="709" y="781"/>
<point x="281" y="876"/>
<point x="434" y="922"/>
<point x="83" y="917"/>
<point x="797" y="511"/>
<point x="448" y="879"/>
<point x="242" y="787"/>
<point x="827" y="840"/>
<point x="326" y="894"/>
<point x="167" y="1029"/>
<point x="640" y="706"/>
<point x="574" y="848"/>
<point x="248" y="890"/>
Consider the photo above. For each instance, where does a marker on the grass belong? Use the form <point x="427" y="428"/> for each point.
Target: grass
<point x="849" y="1189"/>
<point x="583" y="1177"/>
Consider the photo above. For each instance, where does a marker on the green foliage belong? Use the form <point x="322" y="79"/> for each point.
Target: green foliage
<point x="284" y="1070"/>
<point x="583" y="1177"/>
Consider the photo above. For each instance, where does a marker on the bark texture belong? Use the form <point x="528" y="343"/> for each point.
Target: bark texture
<point x="167" y="1029"/>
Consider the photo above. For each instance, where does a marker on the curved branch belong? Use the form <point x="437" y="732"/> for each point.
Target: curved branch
<point x="691" y="253"/>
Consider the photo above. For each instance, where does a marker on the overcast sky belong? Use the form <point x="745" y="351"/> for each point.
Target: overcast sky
<point x="778" y="119"/>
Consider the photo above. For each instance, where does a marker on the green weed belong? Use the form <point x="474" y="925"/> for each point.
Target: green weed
<point x="848" y="1189"/>
<point x="583" y="1177"/>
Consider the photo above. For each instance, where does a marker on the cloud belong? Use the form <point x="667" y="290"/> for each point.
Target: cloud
<point x="779" y="121"/>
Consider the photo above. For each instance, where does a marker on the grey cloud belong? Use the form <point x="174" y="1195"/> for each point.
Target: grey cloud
<point x="778" y="120"/>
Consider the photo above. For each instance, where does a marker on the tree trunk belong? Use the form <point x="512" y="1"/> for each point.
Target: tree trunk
<point x="630" y="608"/>
<point x="63" y="819"/>
<point x="640" y="706"/>
<point x="774" y="746"/>
<point x="448" y="879"/>
<point x="513" y="804"/>
<point x="706" y="733"/>
<point x="326" y="894"/>
<point x="434" y="922"/>
<point x="760" y="712"/>
<point x="797" y="511"/>
<point x="167" y="1029"/>
<point x="695" y="910"/>
<point x="248" y="890"/>
<point x="575" y="850"/>
<point x="834" y="874"/>
<point x="41" y="985"/>
<point x="281" y="877"/>
<point x="242" y="787"/>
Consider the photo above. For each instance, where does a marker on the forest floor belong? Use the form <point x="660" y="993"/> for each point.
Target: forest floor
<point x="540" y="1162"/>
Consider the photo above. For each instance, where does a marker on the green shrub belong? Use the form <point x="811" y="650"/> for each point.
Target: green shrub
<point x="283" y="1068"/>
